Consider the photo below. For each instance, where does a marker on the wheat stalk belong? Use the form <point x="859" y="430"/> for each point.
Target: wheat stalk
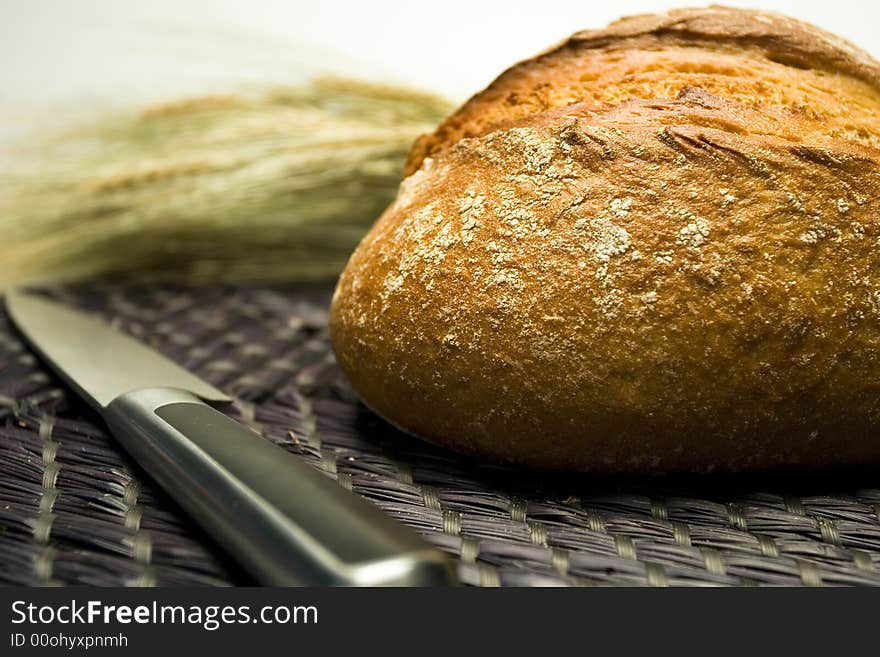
<point x="270" y="186"/>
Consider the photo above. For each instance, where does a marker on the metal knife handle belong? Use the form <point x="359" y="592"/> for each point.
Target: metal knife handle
<point x="284" y="521"/>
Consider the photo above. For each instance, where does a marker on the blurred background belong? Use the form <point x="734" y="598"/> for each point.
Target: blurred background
<point x="55" y="49"/>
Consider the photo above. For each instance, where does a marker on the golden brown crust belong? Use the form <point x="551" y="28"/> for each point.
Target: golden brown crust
<point x="655" y="285"/>
<point x="758" y="58"/>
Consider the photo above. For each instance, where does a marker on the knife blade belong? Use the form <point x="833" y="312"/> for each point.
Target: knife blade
<point x="280" y="518"/>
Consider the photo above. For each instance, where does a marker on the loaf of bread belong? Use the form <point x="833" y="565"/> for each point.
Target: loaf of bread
<point x="653" y="248"/>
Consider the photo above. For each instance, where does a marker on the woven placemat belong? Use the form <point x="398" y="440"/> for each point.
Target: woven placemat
<point x="75" y="510"/>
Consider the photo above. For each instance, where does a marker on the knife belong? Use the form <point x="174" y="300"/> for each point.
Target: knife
<point x="281" y="519"/>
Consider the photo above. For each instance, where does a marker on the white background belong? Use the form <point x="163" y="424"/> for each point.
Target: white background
<point x="124" y="50"/>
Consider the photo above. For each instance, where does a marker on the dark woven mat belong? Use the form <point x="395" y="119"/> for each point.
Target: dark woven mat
<point x="74" y="509"/>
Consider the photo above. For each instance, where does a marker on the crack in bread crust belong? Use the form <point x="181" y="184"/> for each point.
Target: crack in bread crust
<point x="758" y="59"/>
